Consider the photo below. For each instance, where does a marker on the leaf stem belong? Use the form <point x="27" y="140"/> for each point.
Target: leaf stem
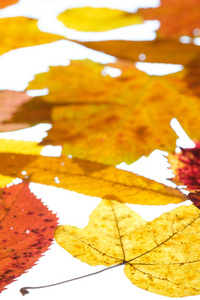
<point x="25" y="291"/>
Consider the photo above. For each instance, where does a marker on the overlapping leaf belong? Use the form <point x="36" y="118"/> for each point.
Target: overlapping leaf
<point x="26" y="228"/>
<point x="22" y="32"/>
<point x="161" y="256"/>
<point x="186" y="167"/>
<point x="10" y="103"/>
<point x="122" y="118"/>
<point x="12" y="146"/>
<point x="156" y="51"/>
<point x="88" y="178"/>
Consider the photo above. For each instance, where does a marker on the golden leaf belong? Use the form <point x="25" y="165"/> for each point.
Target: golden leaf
<point x="161" y="256"/>
<point x="111" y="120"/>
<point x="12" y="146"/>
<point x="97" y="19"/>
<point x="22" y="32"/>
<point x="21" y="147"/>
<point x="88" y="178"/>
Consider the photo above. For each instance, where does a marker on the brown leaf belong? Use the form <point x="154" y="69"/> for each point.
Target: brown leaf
<point x="157" y="51"/>
<point x="27" y="228"/>
<point x="10" y="103"/>
<point x="88" y="178"/>
<point x="177" y="17"/>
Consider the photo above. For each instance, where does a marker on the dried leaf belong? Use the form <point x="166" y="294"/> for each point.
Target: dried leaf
<point x="21" y="147"/>
<point x="5" y="3"/>
<point x="10" y="103"/>
<point x="161" y="256"/>
<point x="156" y="51"/>
<point x="27" y="229"/>
<point x="177" y="18"/>
<point x="97" y="19"/>
<point x="186" y="167"/>
<point x="12" y="146"/>
<point x="22" y="32"/>
<point x="88" y="178"/>
<point x="103" y="118"/>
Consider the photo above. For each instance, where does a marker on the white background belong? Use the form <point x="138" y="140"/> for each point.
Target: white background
<point x="17" y="68"/>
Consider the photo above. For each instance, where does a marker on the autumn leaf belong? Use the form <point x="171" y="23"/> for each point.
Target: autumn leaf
<point x="100" y="118"/>
<point x="177" y="18"/>
<point x="156" y="51"/>
<point x="5" y="3"/>
<point x="97" y="19"/>
<point x="21" y="147"/>
<point x="88" y="178"/>
<point x="186" y="167"/>
<point x="10" y="102"/>
<point x="161" y="256"/>
<point x="22" y="32"/>
<point x="26" y="227"/>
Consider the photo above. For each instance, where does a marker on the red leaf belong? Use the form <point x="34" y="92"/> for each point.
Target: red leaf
<point x="27" y="230"/>
<point x="186" y="167"/>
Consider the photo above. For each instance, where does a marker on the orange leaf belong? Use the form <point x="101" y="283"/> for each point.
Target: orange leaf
<point x="159" y="50"/>
<point x="27" y="229"/>
<point x="177" y="17"/>
<point x="5" y="3"/>
<point x="111" y="120"/>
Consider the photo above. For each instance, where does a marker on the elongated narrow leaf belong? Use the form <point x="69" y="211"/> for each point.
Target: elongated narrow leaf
<point x="156" y="51"/>
<point x="88" y="178"/>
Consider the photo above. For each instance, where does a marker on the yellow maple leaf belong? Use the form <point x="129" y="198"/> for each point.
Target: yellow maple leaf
<point x="97" y="19"/>
<point x="161" y="256"/>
